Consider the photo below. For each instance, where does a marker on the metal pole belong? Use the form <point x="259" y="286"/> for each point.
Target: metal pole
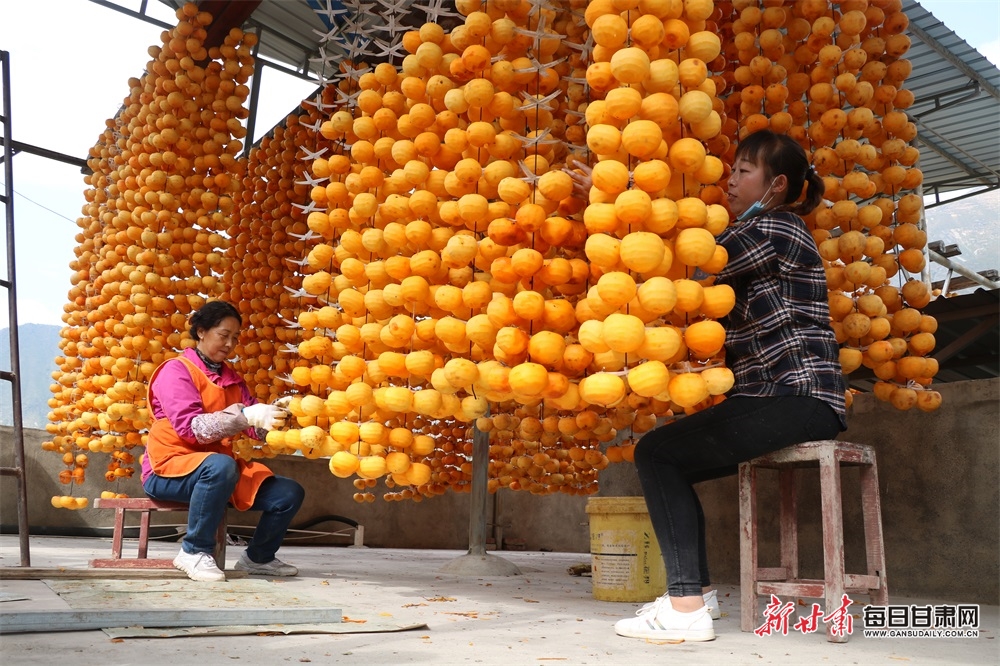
<point x="962" y="270"/>
<point x="925" y="272"/>
<point x="141" y="15"/>
<point x="258" y="70"/>
<point x="15" y="365"/>
<point x="477" y="501"/>
<point x="477" y="562"/>
<point x="497" y="516"/>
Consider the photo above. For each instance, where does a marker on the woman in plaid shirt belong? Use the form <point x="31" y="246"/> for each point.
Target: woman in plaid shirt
<point x="789" y="386"/>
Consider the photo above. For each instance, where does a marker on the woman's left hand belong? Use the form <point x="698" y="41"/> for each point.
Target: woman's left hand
<point x="266" y="417"/>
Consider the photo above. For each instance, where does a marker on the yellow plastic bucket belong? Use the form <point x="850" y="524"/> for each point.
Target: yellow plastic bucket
<point x="626" y="564"/>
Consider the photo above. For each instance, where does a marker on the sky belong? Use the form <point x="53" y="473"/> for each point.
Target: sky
<point x="70" y="64"/>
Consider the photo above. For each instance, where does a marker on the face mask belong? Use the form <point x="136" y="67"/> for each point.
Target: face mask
<point x="757" y="207"/>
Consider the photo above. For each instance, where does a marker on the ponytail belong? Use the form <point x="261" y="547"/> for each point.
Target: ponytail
<point x="815" y="189"/>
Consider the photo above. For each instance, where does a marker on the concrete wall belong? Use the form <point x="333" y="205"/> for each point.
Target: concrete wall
<point x="555" y="523"/>
<point x="938" y="475"/>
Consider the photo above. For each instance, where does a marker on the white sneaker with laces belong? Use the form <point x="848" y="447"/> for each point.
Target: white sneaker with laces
<point x="273" y="568"/>
<point x="711" y="599"/>
<point x="199" y="566"/>
<point x="662" y="622"/>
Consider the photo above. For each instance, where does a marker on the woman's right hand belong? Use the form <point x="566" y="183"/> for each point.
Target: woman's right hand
<point x="265" y="417"/>
<point x="582" y="180"/>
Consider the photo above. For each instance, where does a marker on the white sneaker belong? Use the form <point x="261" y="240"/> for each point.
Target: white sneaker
<point x="711" y="599"/>
<point x="662" y="622"/>
<point x="712" y="603"/>
<point x="273" y="568"/>
<point x="199" y="566"/>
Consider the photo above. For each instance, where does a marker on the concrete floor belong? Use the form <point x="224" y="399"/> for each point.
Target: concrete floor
<point x="543" y="616"/>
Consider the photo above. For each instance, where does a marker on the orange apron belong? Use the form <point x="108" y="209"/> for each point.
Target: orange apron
<point x="171" y="456"/>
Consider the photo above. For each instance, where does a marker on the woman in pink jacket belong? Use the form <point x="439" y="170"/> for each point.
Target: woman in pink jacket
<point x="198" y="404"/>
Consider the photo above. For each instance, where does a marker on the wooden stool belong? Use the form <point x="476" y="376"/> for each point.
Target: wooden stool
<point x="145" y="507"/>
<point x="784" y="581"/>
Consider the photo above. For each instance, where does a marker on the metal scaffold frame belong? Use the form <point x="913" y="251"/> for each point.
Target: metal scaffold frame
<point x="14" y="375"/>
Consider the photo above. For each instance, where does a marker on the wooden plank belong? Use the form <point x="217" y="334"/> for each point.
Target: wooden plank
<point x="773" y="573"/>
<point x="121" y="594"/>
<point x="143" y="550"/>
<point x="36" y="573"/>
<point x="859" y="583"/>
<point x="789" y="525"/>
<point x="116" y="540"/>
<point x="871" y="509"/>
<point x="748" y="545"/>
<point x="831" y="508"/>
<point x="810" y="588"/>
<point x="128" y="563"/>
<point x="137" y="504"/>
<point x="100" y="618"/>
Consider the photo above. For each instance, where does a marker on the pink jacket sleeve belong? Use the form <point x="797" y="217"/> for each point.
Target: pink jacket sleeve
<point x="177" y="399"/>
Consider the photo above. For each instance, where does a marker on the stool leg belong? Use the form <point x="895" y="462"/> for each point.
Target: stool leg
<point x="833" y="536"/>
<point x="875" y="549"/>
<point x="143" y="534"/>
<point x="748" y="546"/>
<point x="788" y="518"/>
<point x="119" y="533"/>
<point x="220" y="543"/>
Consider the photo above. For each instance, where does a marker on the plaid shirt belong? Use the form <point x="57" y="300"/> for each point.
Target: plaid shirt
<point x="778" y="335"/>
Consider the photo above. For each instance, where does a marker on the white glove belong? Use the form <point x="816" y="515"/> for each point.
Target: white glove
<point x="265" y="417"/>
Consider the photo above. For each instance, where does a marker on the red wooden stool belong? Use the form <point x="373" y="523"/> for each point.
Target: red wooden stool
<point x="145" y="507"/>
<point x="784" y="581"/>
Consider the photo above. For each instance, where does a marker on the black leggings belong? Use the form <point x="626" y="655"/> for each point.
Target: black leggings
<point x="708" y="445"/>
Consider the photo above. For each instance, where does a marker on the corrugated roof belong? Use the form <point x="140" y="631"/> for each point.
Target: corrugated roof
<point x="957" y="107"/>
<point x="290" y="33"/>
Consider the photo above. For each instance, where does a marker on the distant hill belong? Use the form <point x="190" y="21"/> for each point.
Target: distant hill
<point x="971" y="224"/>
<point x="39" y="346"/>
